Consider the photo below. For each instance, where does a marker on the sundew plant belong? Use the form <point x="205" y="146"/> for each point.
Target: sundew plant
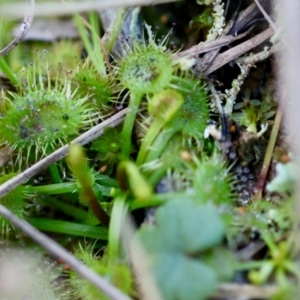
<point x="142" y="158"/>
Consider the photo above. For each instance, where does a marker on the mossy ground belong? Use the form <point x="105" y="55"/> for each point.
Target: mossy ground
<point x="194" y="200"/>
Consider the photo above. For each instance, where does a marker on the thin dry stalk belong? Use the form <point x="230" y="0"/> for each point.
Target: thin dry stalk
<point x="26" y="24"/>
<point x="235" y="52"/>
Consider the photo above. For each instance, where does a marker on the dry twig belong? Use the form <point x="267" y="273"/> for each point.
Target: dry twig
<point x="26" y="23"/>
<point x="235" y="52"/>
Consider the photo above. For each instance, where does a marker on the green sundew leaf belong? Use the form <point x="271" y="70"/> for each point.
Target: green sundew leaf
<point x="98" y="88"/>
<point x="183" y="230"/>
<point x="192" y="117"/>
<point x="212" y="183"/>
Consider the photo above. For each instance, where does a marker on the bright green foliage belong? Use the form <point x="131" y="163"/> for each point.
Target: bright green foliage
<point x="41" y="119"/>
<point x="212" y="182"/>
<point x="78" y="164"/>
<point x="171" y="157"/>
<point x="14" y="200"/>
<point x="182" y="231"/>
<point x="115" y="272"/>
<point x="145" y="70"/>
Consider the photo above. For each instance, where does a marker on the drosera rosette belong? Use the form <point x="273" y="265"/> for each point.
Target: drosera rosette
<point x="43" y="116"/>
<point x="116" y="272"/>
<point x="65" y="54"/>
<point x="146" y="69"/>
<point x="96" y="87"/>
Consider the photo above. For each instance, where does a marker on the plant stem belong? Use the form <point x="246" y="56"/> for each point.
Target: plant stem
<point x="71" y="228"/>
<point x="114" y="233"/>
<point x="53" y="189"/>
<point x="78" y="165"/>
<point x="148" y="140"/>
<point x="54" y="173"/>
<point x="159" y="144"/>
<point x="126" y="133"/>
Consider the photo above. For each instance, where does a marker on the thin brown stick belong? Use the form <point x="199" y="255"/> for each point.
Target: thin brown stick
<point x="209" y="45"/>
<point x="26" y="24"/>
<point x="235" y="52"/>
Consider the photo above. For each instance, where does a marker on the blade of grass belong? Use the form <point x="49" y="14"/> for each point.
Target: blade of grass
<point x="59" y="226"/>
